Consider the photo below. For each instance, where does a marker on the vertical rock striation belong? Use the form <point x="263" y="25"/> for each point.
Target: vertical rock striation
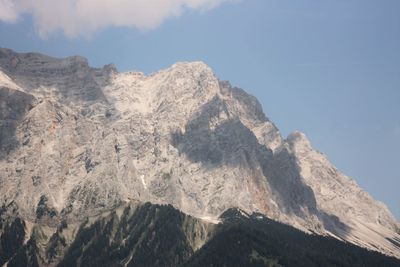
<point x="78" y="141"/>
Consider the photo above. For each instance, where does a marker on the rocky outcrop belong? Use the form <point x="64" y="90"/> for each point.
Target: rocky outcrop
<point x="81" y="140"/>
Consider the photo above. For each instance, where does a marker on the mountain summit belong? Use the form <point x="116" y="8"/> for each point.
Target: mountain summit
<point x="77" y="141"/>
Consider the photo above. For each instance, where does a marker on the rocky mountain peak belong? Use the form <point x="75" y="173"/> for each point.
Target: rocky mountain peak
<point x="77" y="141"/>
<point x="71" y="78"/>
<point x="190" y="66"/>
<point x="299" y="142"/>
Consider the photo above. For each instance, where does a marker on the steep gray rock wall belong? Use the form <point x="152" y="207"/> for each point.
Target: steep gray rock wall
<point x="77" y="141"/>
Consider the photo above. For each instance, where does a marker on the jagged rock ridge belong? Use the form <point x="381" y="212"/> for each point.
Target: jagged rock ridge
<point x="76" y="141"/>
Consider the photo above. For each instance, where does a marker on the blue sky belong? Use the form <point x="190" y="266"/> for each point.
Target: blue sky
<point x="328" y="68"/>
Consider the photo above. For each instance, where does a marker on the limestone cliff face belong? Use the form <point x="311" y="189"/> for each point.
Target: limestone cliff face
<point x="77" y="141"/>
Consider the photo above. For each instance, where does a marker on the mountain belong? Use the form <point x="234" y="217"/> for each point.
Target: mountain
<point x="134" y="234"/>
<point x="78" y="142"/>
<point x="144" y="234"/>
<point x="254" y="240"/>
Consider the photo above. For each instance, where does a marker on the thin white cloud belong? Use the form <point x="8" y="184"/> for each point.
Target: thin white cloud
<point x="77" y="18"/>
<point x="8" y="11"/>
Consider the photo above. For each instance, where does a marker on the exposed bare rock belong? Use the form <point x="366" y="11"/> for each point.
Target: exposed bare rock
<point x="77" y="141"/>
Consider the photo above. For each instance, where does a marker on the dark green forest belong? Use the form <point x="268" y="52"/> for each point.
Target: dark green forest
<point x="258" y="241"/>
<point x="157" y="235"/>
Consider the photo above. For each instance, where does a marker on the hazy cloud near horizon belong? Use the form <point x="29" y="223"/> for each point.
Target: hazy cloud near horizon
<point x="82" y="18"/>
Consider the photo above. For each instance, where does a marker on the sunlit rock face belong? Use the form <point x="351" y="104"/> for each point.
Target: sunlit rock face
<point x="76" y="141"/>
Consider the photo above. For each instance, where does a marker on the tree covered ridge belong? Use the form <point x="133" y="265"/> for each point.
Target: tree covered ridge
<point x="159" y="235"/>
